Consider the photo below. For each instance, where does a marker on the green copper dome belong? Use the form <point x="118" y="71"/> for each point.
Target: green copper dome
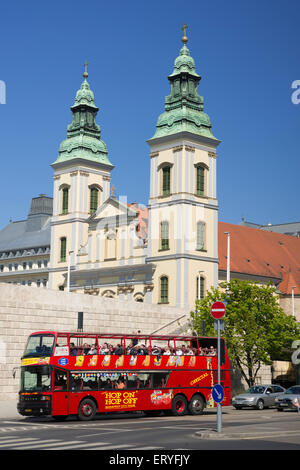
<point x="83" y="134"/>
<point x="184" y="105"/>
<point x="184" y="63"/>
<point x="85" y="95"/>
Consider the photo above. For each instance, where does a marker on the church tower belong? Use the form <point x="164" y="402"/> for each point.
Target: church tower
<point x="81" y="183"/>
<point x="183" y="206"/>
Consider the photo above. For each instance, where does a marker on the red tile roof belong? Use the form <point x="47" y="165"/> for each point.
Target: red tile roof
<point x="252" y="251"/>
<point x="262" y="253"/>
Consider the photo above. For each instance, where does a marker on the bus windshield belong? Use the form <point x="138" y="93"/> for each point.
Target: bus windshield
<point x="35" y="379"/>
<point x="39" y="345"/>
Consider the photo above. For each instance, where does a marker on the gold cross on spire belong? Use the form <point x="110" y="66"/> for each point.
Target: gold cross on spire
<point x="184" y="39"/>
<point x="85" y="74"/>
<point x="113" y="191"/>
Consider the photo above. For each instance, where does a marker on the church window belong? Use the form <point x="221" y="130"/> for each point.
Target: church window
<point x="164" y="290"/>
<point x="164" y="229"/>
<point x="63" y="248"/>
<point x="200" y="236"/>
<point x="166" y="173"/>
<point x="93" y="199"/>
<point x="200" y="190"/>
<point x="65" y="200"/>
<point x="200" y="287"/>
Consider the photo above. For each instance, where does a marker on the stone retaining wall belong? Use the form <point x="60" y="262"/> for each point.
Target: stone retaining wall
<point x="24" y="310"/>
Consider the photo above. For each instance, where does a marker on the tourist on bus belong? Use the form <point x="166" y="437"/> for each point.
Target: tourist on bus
<point x="73" y="349"/>
<point x="121" y="384"/>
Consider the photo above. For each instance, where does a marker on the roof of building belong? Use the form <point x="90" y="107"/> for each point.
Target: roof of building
<point x="261" y="253"/>
<point x="32" y="232"/>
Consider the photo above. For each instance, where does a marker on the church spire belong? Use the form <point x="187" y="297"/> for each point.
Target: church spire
<point x="83" y="134"/>
<point x="184" y="105"/>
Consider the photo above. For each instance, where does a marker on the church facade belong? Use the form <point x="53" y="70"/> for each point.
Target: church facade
<point x="84" y="239"/>
<point x="166" y="253"/>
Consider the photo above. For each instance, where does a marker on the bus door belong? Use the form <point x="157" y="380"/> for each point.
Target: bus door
<point x="60" y="401"/>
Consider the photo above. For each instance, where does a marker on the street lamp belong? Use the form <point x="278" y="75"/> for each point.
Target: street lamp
<point x="69" y="269"/>
<point x="228" y="256"/>
<point x="293" y="301"/>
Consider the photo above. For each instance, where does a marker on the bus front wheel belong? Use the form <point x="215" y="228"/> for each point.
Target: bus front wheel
<point x="179" y="405"/>
<point x="87" y="410"/>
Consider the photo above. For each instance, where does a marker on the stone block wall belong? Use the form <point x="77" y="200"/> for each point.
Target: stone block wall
<point x="24" y="310"/>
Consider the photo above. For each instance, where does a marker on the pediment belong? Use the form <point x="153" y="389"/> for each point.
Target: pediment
<point x="113" y="208"/>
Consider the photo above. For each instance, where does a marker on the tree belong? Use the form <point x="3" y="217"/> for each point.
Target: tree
<point x="257" y="331"/>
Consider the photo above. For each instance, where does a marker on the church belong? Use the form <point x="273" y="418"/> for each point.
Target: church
<point x="171" y="252"/>
<point x="160" y="254"/>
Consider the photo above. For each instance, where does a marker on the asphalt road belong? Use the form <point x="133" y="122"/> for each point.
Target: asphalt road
<point x="241" y="430"/>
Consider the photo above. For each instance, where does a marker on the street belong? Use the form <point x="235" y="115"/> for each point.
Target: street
<point x="241" y="430"/>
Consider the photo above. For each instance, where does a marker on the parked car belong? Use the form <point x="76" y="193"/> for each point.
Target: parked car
<point x="290" y="399"/>
<point x="258" y="396"/>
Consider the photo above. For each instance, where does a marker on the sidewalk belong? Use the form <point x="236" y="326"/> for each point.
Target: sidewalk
<point x="8" y="409"/>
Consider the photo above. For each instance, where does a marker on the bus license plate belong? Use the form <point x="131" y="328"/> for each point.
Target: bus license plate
<point x="28" y="410"/>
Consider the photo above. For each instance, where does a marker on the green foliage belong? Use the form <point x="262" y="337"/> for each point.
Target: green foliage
<point x="257" y="331"/>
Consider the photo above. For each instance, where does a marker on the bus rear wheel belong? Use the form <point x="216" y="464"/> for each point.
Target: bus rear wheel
<point x="196" y="405"/>
<point x="179" y="405"/>
<point x="87" y="410"/>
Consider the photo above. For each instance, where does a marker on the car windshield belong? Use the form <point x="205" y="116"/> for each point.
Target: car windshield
<point x="256" y="389"/>
<point x="294" y="390"/>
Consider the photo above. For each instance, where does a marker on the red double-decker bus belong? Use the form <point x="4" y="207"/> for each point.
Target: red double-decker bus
<point x="83" y="374"/>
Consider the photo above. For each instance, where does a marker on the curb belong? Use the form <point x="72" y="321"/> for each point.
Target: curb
<point x="213" y="434"/>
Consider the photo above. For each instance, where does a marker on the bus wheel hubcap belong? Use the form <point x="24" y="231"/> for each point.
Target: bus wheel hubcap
<point x="180" y="406"/>
<point x="86" y="410"/>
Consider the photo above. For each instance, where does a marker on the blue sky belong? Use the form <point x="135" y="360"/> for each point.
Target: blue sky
<point x="247" y="53"/>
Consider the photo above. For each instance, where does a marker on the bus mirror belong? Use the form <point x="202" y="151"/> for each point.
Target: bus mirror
<point x="15" y="371"/>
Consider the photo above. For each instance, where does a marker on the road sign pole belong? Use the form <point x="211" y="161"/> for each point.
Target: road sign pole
<point x="217" y="311"/>
<point x="219" y="406"/>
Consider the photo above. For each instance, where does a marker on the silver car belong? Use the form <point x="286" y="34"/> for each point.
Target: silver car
<point x="258" y="396"/>
<point x="290" y="399"/>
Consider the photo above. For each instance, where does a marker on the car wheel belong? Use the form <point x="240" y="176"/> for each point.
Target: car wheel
<point x="279" y="409"/>
<point x="260" y="405"/>
<point x="238" y="407"/>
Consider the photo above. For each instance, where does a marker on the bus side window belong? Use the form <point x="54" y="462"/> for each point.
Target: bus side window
<point x="60" y="380"/>
<point x="160" y="379"/>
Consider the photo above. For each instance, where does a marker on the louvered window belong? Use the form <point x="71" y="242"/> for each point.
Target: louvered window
<point x="200" y="180"/>
<point x="166" y="180"/>
<point x="165" y="235"/>
<point x="93" y="199"/>
<point x="63" y="249"/>
<point x="164" y="290"/>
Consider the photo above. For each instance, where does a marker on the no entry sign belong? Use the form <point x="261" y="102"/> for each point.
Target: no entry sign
<point x="218" y="310"/>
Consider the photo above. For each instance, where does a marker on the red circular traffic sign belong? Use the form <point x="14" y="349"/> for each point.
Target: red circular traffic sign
<point x="218" y="310"/>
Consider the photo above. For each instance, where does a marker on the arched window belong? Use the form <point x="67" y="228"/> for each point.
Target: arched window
<point x="63" y="249"/>
<point x="65" y="200"/>
<point x="166" y="180"/>
<point x="164" y="290"/>
<point x="201" y="179"/>
<point x="201" y="236"/>
<point x="200" y="287"/>
<point x="164" y="235"/>
<point x="94" y="196"/>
